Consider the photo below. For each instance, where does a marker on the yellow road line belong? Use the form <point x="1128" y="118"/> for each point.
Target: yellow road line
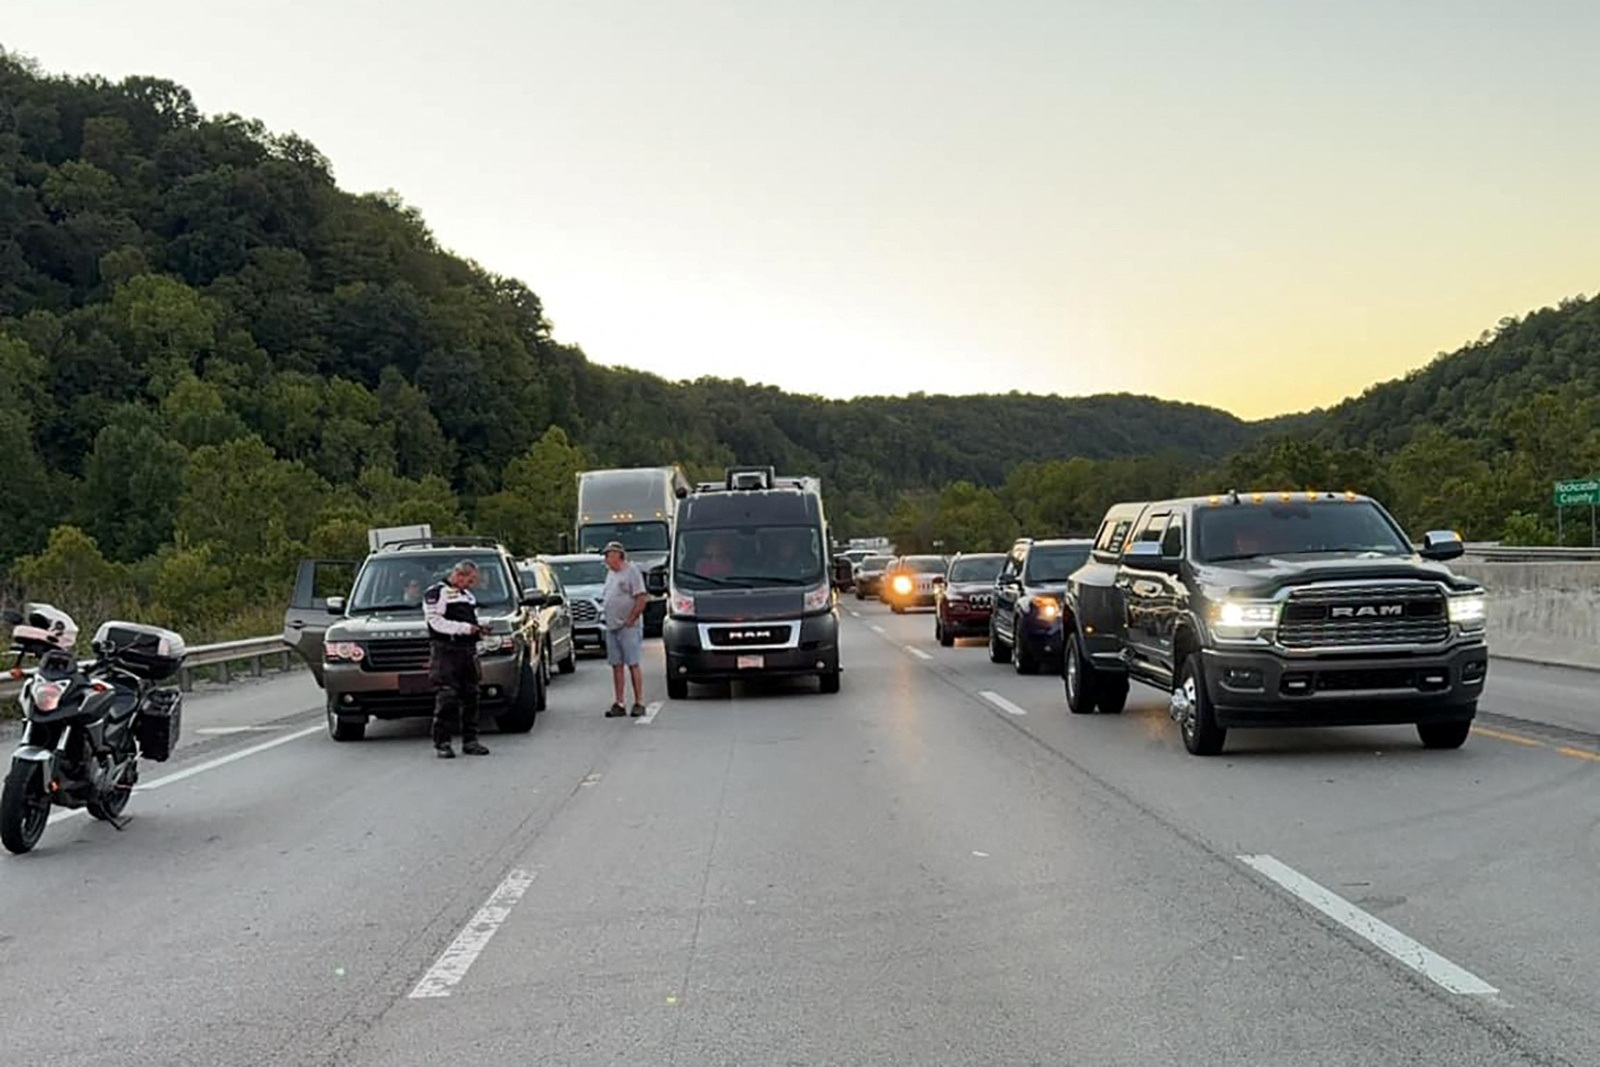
<point x="1513" y="738"/>
<point x="1578" y="753"/>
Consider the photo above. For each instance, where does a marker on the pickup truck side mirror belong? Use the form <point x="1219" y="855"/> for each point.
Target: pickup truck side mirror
<point x="336" y="605"/>
<point x="1146" y="556"/>
<point x="1442" y="545"/>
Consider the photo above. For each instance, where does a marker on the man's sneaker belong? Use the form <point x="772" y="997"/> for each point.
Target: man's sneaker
<point x="475" y="748"/>
<point x="444" y="751"/>
<point x="638" y="710"/>
<point x="615" y="711"/>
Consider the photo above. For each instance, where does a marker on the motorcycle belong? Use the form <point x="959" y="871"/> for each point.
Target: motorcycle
<point x="86" y="727"/>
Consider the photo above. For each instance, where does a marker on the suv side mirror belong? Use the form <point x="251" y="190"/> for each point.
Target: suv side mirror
<point x="1442" y="545"/>
<point x="532" y="598"/>
<point x="554" y="600"/>
<point x="1146" y="556"/>
<point x="335" y="605"/>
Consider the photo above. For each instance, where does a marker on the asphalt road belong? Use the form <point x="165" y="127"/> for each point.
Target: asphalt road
<point x="937" y="865"/>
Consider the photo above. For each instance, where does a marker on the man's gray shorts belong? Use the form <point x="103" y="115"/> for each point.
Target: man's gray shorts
<point x="625" y="648"/>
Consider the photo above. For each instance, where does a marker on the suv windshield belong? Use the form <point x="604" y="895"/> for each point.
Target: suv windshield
<point x="1055" y="563"/>
<point x="581" y="571"/>
<point x="977" y="569"/>
<point x="635" y="536"/>
<point x="924" y="564"/>
<point x="396" y="583"/>
<point x="1289" y="529"/>
<point x="748" y="556"/>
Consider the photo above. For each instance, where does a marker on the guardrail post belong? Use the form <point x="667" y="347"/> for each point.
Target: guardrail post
<point x="185" y="680"/>
<point x="255" y="666"/>
<point x="226" y="670"/>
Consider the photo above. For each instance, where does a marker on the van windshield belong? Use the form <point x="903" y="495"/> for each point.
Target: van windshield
<point x="396" y="583"/>
<point x="746" y="557"/>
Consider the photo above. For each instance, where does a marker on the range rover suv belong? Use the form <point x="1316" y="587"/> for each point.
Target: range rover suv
<point x="1280" y="609"/>
<point x="366" y="641"/>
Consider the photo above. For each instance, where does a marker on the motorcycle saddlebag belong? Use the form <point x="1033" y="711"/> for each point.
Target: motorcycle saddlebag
<point x="148" y="652"/>
<point x="158" y="725"/>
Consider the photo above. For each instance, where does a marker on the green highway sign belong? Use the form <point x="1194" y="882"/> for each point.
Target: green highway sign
<point x="1578" y="492"/>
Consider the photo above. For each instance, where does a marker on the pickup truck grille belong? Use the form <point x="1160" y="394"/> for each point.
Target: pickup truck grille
<point x="405" y="655"/>
<point x="585" y="613"/>
<point x="1355" y="616"/>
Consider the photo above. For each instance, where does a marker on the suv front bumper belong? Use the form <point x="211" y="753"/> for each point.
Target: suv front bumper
<point x="817" y="652"/>
<point x="410" y="694"/>
<point x="1261" y="688"/>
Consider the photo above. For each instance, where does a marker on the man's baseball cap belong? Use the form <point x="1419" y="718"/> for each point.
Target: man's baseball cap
<point x="614" y="546"/>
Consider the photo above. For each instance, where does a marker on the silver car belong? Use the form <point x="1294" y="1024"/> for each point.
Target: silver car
<point x="583" y="577"/>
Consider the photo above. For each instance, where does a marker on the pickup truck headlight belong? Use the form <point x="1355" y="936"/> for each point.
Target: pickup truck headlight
<point x="1244" y="619"/>
<point x="819" y="598"/>
<point x="1469" y="612"/>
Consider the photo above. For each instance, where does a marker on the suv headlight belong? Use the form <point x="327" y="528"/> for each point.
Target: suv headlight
<point x="902" y="584"/>
<point x="1047" y="608"/>
<point x="343" y="652"/>
<point x="1470" y="612"/>
<point x="1244" y="619"/>
<point x="819" y="598"/>
<point x="494" y="644"/>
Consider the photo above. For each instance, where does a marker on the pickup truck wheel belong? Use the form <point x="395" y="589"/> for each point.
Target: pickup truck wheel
<point x="998" y="652"/>
<point x="1443" y="734"/>
<point x="1191" y="706"/>
<point x="1113" y="696"/>
<point x="677" y="689"/>
<point x="519" y="719"/>
<point x="828" y="681"/>
<point x="345" y="727"/>
<point x="1081" y="680"/>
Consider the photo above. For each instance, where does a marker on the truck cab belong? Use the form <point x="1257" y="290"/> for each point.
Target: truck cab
<point x="636" y="506"/>
<point x="750" y="585"/>
<point x="1276" y="609"/>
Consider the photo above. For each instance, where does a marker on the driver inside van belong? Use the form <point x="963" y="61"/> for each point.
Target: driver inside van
<point x="716" y="561"/>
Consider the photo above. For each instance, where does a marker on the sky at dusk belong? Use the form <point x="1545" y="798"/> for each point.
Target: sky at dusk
<point x="1263" y="205"/>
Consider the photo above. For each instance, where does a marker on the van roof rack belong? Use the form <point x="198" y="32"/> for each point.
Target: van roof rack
<point x="443" y="541"/>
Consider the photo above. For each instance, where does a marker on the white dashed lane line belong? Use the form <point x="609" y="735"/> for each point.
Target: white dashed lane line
<point x="917" y="652"/>
<point x="452" y="966"/>
<point x="1002" y="703"/>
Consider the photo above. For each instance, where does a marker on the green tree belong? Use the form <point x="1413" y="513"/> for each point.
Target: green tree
<point x="164" y="326"/>
<point x="73" y="574"/>
<point x="196" y="414"/>
<point x="132" y="484"/>
<point x="972" y="519"/>
<point x="250" y="508"/>
<point x="540" y="496"/>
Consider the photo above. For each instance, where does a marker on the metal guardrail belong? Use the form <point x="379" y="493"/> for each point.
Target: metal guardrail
<point x="252" y="651"/>
<point x="1531" y="554"/>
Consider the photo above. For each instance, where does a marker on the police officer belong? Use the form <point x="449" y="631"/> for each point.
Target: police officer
<point x="453" y="632"/>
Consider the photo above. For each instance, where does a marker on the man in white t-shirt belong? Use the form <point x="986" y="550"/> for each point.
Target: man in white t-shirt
<point x="622" y="605"/>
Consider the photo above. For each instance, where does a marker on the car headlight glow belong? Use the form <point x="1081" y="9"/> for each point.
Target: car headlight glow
<point x="1244" y="618"/>
<point x="901" y="584"/>
<point x="1469" y="612"/>
<point x="818" y="598"/>
<point x="1047" y="607"/>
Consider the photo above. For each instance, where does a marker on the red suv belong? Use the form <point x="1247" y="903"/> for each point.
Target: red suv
<point x="966" y="597"/>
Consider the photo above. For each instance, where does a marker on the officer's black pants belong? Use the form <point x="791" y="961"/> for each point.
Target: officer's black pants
<point x="454" y="672"/>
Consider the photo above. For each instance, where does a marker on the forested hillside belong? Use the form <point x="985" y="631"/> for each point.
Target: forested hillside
<point x="212" y="360"/>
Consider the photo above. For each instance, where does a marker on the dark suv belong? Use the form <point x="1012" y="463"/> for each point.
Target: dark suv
<point x="1280" y="609"/>
<point x="966" y="597"/>
<point x="1025" y="627"/>
<point x="366" y="641"/>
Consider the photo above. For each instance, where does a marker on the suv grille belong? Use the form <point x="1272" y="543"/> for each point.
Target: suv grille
<point x="1351" y="616"/>
<point x="407" y="654"/>
<point x="585" y="612"/>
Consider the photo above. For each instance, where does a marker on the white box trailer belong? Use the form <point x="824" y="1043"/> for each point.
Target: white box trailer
<point x="389" y="535"/>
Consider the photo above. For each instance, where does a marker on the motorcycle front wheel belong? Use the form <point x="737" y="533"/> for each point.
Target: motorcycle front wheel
<point x="24" y="807"/>
<point x="109" y="807"/>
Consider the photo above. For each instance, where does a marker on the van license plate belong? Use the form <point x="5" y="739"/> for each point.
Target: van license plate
<point x="752" y="663"/>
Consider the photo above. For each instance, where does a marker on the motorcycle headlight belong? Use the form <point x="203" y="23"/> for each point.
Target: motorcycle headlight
<point x="1243" y="619"/>
<point x="818" y="598"/>
<point x="1469" y="612"/>
<point x="47" y="696"/>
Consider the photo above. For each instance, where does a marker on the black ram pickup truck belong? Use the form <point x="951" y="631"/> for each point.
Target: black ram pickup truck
<point x="1276" y="609"/>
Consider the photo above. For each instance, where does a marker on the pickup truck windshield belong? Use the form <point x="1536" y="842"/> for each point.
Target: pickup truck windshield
<point x="1247" y="531"/>
<point x="1055" y="563"/>
<point x="396" y="583"/>
<point x="977" y="569"/>
<point x="635" y="536"/>
<point x="581" y="572"/>
<point x="748" y="557"/>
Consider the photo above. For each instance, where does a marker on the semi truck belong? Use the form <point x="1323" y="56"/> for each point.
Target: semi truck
<point x="637" y="506"/>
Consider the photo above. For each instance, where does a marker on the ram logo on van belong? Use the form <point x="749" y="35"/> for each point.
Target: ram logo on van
<point x="1368" y="611"/>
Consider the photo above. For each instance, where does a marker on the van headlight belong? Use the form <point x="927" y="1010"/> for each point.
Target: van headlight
<point x="819" y="598"/>
<point x="682" y="605"/>
<point x="1469" y="612"/>
<point x="1242" y="620"/>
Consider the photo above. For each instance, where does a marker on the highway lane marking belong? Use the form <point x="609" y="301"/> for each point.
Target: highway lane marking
<point x="1516" y="739"/>
<point x="1419" y="958"/>
<point x="917" y="652"/>
<point x="238" y="729"/>
<point x="201" y="768"/>
<point x="875" y="628"/>
<point x="591" y="780"/>
<point x="651" y="710"/>
<point x="452" y="965"/>
<point x="1578" y="753"/>
<point x="855" y="614"/>
<point x="1002" y="703"/>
